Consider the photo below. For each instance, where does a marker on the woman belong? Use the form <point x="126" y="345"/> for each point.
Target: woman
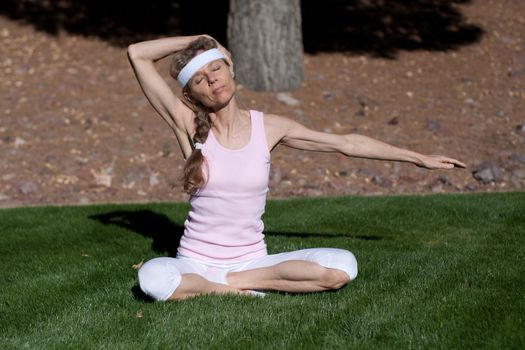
<point x="227" y="152"/>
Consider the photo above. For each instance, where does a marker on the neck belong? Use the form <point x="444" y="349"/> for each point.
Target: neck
<point x="227" y="119"/>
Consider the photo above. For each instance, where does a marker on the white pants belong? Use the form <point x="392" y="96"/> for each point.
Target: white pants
<point x="160" y="277"/>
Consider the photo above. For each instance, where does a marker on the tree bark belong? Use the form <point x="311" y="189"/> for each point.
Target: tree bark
<point x="265" y="39"/>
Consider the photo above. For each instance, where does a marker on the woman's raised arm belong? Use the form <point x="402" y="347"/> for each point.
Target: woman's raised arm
<point x="142" y="57"/>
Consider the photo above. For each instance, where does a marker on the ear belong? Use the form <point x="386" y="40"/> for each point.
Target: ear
<point x="188" y="97"/>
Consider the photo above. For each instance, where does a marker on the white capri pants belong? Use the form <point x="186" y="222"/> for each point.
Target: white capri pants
<point x="159" y="277"/>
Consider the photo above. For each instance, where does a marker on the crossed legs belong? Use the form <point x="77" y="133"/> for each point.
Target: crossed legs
<point x="307" y="270"/>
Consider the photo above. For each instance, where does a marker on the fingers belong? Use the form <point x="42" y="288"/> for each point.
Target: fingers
<point x="455" y="163"/>
<point x="441" y="162"/>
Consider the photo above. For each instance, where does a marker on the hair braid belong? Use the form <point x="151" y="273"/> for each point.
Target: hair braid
<point x="193" y="175"/>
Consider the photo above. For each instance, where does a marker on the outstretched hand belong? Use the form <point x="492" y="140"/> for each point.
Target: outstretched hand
<point x="440" y="162"/>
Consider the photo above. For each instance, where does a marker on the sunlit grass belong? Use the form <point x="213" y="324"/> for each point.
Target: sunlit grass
<point x="435" y="272"/>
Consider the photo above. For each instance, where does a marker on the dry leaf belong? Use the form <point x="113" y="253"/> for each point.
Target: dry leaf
<point x="138" y="266"/>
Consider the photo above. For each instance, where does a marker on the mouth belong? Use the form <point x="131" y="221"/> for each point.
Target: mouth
<point x="218" y="90"/>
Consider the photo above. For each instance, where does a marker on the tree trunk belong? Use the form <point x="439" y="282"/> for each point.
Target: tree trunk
<point x="265" y="39"/>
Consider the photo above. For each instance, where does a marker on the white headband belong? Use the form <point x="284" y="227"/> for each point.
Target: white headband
<point x="197" y="63"/>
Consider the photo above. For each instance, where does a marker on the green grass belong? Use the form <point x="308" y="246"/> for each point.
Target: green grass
<point x="441" y="271"/>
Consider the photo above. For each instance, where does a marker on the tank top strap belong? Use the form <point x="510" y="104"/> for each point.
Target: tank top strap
<point x="258" y="130"/>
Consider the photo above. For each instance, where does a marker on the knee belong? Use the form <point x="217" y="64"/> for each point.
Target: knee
<point x="335" y="278"/>
<point x="348" y="264"/>
<point x="158" y="279"/>
<point x="343" y="261"/>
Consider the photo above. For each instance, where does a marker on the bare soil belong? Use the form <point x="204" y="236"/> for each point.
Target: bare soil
<point x="75" y="128"/>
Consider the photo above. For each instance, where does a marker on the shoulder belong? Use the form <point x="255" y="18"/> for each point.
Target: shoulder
<point x="279" y="128"/>
<point x="278" y="121"/>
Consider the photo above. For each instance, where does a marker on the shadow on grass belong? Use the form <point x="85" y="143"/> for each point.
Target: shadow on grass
<point x="165" y="233"/>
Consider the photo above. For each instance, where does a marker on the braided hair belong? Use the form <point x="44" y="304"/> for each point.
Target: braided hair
<point x="193" y="176"/>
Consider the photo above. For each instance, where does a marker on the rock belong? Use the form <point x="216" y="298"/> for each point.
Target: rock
<point x="360" y="113"/>
<point x="329" y="95"/>
<point x="366" y="172"/>
<point x="520" y="128"/>
<point x="500" y="114"/>
<point x="487" y="172"/>
<point x="19" y="142"/>
<point x="130" y="179"/>
<point x="379" y="181"/>
<point x="393" y="121"/>
<point x="471" y="187"/>
<point x="167" y="149"/>
<point x="8" y="177"/>
<point x="4" y="197"/>
<point x="519" y="173"/>
<point x="287" y="99"/>
<point x="433" y="125"/>
<point x="518" y="157"/>
<point x="301" y="182"/>
<point x="444" y="180"/>
<point x="104" y="176"/>
<point x="28" y="187"/>
<point x="153" y="179"/>
<point x="276" y="176"/>
<point x="362" y="102"/>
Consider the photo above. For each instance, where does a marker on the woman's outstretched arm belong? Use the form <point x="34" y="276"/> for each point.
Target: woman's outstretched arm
<point x="290" y="133"/>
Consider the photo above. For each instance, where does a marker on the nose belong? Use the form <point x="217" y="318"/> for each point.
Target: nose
<point x="211" y="79"/>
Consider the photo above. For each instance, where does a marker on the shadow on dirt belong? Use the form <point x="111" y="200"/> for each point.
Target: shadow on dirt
<point x="374" y="27"/>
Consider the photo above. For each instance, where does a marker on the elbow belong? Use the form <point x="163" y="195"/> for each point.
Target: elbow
<point x="132" y="52"/>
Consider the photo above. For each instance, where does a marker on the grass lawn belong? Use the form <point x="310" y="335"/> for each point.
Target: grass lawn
<point x="441" y="271"/>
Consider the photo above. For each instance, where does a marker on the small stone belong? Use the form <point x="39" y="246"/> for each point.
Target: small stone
<point x="167" y="149"/>
<point x="379" y="181"/>
<point x="104" y="176"/>
<point x="8" y="177"/>
<point x="153" y="179"/>
<point x="433" y="125"/>
<point x="360" y="113"/>
<point x="328" y="95"/>
<point x="4" y="197"/>
<point x="362" y="102"/>
<point x="471" y="187"/>
<point x="520" y="128"/>
<point x="28" y="187"/>
<point x="19" y="142"/>
<point x="366" y="172"/>
<point x="287" y="99"/>
<point x="130" y="179"/>
<point x="518" y="157"/>
<point x="500" y="114"/>
<point x="393" y="121"/>
<point x="487" y="172"/>
<point x="276" y="176"/>
<point x="519" y="173"/>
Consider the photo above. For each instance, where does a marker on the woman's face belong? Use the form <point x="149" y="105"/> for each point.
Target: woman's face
<point x="212" y="85"/>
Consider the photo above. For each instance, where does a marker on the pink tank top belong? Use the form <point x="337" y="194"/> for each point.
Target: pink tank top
<point x="224" y="223"/>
